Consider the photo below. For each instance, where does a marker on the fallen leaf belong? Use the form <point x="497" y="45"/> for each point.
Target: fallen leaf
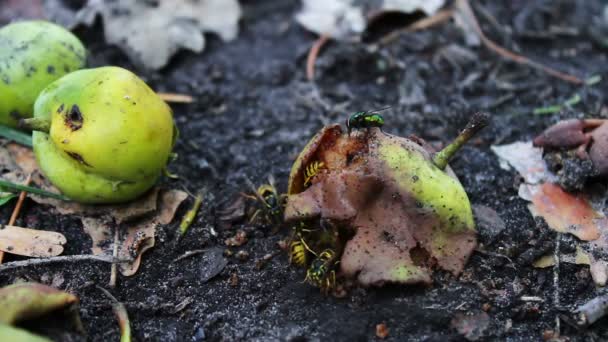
<point x="150" y="32"/>
<point x="565" y="212"/>
<point x="348" y="19"/>
<point x="526" y="159"/>
<point x="234" y="211"/>
<point x="137" y="220"/>
<point x="31" y="242"/>
<point x="30" y="300"/>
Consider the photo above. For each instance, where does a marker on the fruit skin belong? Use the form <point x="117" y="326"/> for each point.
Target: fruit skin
<point x="406" y="216"/>
<point x="32" y="55"/>
<point x="110" y="135"/>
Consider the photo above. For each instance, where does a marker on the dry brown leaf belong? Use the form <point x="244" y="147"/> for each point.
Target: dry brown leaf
<point x="31" y="242"/>
<point x="137" y="235"/>
<point x="138" y="218"/>
<point x="565" y="212"/>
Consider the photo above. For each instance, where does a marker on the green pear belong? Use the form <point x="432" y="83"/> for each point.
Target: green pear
<point x="101" y="135"/>
<point x="32" y="55"/>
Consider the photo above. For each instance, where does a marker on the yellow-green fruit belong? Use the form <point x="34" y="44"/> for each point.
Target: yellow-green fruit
<point x="110" y="135"/>
<point x="32" y="55"/>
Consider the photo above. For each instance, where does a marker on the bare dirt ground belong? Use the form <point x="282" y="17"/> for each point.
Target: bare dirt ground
<point x="254" y="111"/>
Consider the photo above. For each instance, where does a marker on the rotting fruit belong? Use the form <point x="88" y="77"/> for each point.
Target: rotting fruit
<point x="381" y="208"/>
<point x="101" y="135"/>
<point x="32" y="55"/>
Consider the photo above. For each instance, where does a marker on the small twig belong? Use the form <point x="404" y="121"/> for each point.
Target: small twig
<point x="190" y="214"/>
<point x="312" y="56"/>
<point x="418" y="25"/>
<point x="64" y="258"/>
<point x="114" y="268"/>
<point x="17" y="209"/>
<point x="121" y="315"/>
<point x="189" y="254"/>
<point x="19" y="204"/>
<point x="531" y="299"/>
<point x="556" y="291"/>
<point x="465" y="8"/>
<point x="176" y="98"/>
<point x="497" y="255"/>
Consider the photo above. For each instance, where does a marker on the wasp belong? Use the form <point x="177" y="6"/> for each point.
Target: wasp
<point x="321" y="272"/>
<point x="271" y="201"/>
<point x="365" y="120"/>
<point x="311" y="171"/>
<point x="298" y="248"/>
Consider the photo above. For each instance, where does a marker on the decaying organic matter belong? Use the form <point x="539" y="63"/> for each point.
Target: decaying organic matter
<point x="588" y="137"/>
<point x="390" y="210"/>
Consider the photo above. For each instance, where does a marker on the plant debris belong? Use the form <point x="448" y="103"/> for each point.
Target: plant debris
<point x="151" y="32"/>
<point x="376" y="188"/>
<point x="348" y="19"/>
<point x="31" y="300"/>
<point x="575" y="213"/>
<point x="137" y="220"/>
<point x="31" y="242"/>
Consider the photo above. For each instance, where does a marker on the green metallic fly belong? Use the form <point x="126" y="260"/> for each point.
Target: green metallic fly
<point x="365" y="120"/>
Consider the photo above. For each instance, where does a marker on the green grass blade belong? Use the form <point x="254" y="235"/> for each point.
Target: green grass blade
<point x="9" y="186"/>
<point x="15" y="135"/>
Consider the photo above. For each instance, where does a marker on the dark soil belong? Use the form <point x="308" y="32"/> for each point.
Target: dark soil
<point x="255" y="111"/>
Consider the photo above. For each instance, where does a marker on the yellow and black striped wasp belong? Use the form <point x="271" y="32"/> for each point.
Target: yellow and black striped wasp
<point x="271" y="202"/>
<point x="299" y="250"/>
<point x="321" y="272"/>
<point x="311" y="171"/>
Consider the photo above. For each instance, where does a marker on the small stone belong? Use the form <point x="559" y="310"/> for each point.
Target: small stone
<point x="381" y="331"/>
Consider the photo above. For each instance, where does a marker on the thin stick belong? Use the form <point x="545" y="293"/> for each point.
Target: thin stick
<point x="17" y="209"/>
<point x="466" y="10"/>
<point x="189" y="254"/>
<point x="64" y="258"/>
<point x="419" y="25"/>
<point x="312" y="56"/>
<point x="175" y="98"/>
<point x="556" y="291"/>
<point x="120" y="311"/>
<point x="114" y="269"/>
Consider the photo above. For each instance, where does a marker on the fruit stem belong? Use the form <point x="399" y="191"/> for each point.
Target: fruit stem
<point x="477" y="122"/>
<point x="36" y="124"/>
<point x="18" y="187"/>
